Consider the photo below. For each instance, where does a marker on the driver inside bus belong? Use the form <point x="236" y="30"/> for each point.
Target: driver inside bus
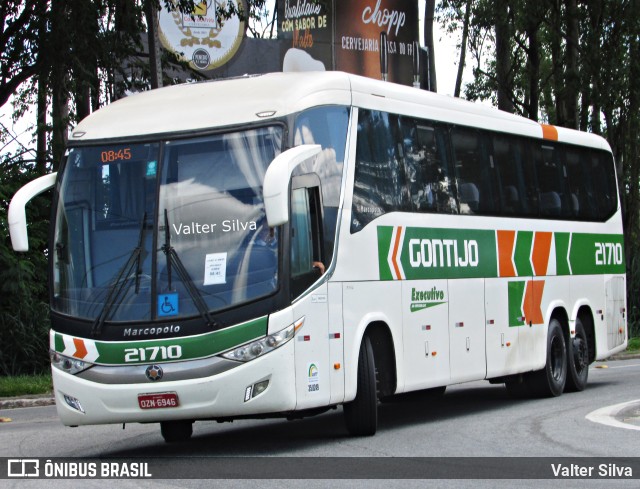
<point x="267" y="239"/>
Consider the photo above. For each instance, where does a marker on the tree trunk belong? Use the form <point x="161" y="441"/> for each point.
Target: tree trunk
<point x="557" y="65"/>
<point x="534" y="14"/>
<point x="503" y="56"/>
<point x="59" y="80"/>
<point x="429" y="11"/>
<point x="463" y="49"/>
<point x="42" y="103"/>
<point x="155" y="66"/>
<point x="572" y="75"/>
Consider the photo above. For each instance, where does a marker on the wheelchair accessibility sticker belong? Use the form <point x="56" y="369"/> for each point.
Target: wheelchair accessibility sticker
<point x="168" y="305"/>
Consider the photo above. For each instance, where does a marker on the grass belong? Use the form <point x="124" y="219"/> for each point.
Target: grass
<point x="633" y="344"/>
<point x="22" y="385"/>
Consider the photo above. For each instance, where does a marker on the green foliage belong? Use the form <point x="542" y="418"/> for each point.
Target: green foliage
<point x="24" y="311"/>
<point x="25" y="385"/>
<point x="633" y="286"/>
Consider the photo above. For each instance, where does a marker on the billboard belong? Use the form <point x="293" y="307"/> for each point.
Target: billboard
<point x="349" y="35"/>
<point x="200" y="37"/>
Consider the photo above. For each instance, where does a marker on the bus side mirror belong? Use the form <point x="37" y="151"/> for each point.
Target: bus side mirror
<point x="17" y="216"/>
<point x="277" y="178"/>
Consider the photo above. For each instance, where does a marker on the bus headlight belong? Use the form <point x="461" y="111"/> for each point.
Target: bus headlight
<point x="66" y="364"/>
<point x="253" y="350"/>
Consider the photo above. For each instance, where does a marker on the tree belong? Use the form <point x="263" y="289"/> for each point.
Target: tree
<point x="19" y="26"/>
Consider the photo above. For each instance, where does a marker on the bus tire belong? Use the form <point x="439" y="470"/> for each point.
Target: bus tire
<point x="578" y="360"/>
<point x="550" y="381"/>
<point x="361" y="414"/>
<point x="176" y="431"/>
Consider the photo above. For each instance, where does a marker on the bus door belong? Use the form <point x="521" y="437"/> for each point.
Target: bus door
<point x="425" y="315"/>
<point x="314" y="370"/>
<point x="467" y="329"/>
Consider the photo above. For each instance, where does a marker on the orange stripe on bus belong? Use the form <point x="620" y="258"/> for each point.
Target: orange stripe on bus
<point x="395" y="253"/>
<point x="506" y="241"/>
<point x="81" y="349"/>
<point x="532" y="306"/>
<point x="541" y="252"/>
<point x="549" y="132"/>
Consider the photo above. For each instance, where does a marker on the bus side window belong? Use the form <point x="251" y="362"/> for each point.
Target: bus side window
<point x="380" y="184"/>
<point x="579" y="185"/>
<point x="473" y="172"/>
<point x="426" y="168"/>
<point x="550" y="173"/>
<point x="518" y="196"/>
<point x="306" y="236"/>
<point x="600" y="167"/>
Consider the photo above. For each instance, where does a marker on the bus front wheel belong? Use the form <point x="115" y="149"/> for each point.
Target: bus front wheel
<point x="361" y="414"/>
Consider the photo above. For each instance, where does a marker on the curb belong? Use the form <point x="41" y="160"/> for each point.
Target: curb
<point x="35" y="401"/>
<point x="623" y="356"/>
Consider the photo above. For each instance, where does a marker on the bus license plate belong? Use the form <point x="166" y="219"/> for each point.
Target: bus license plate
<point x="158" y="401"/>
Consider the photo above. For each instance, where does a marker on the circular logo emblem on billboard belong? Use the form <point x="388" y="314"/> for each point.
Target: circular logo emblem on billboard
<point x="154" y="372"/>
<point x="201" y="59"/>
<point x="202" y="38"/>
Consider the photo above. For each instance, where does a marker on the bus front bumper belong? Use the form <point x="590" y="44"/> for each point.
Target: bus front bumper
<point x="229" y="394"/>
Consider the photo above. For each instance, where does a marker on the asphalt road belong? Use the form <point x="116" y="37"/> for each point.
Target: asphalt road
<point x="470" y="420"/>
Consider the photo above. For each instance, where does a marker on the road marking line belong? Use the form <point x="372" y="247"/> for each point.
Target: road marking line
<point x="606" y="415"/>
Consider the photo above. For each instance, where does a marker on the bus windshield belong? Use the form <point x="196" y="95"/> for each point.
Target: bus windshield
<point x="165" y="229"/>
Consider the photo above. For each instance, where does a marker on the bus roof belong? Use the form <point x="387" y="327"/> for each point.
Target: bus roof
<point x="196" y="106"/>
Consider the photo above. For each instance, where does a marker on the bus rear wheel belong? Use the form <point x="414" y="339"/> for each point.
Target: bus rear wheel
<point x="550" y="381"/>
<point x="176" y="431"/>
<point x="361" y="414"/>
<point x="578" y="360"/>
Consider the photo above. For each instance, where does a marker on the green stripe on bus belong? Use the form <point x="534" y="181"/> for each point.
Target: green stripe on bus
<point x="384" y="245"/>
<point x="435" y="253"/>
<point x="562" y="241"/>
<point x="190" y="347"/>
<point x="516" y="292"/>
<point x="429" y="253"/>
<point x="593" y="254"/>
<point x="522" y="254"/>
<point x="58" y="342"/>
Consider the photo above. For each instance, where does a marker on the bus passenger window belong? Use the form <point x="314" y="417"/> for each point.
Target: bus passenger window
<point x="380" y="185"/>
<point x="518" y="196"/>
<point x="427" y="169"/>
<point x="600" y="167"/>
<point x="550" y="174"/>
<point x="579" y="184"/>
<point x="473" y="172"/>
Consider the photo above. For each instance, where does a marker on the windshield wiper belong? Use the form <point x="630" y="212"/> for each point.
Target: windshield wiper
<point x="118" y="286"/>
<point x="192" y="290"/>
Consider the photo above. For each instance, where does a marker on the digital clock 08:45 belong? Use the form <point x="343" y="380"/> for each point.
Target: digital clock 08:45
<point x="112" y="155"/>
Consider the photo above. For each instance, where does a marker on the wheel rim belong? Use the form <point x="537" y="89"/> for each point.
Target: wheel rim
<point x="580" y="354"/>
<point x="557" y="359"/>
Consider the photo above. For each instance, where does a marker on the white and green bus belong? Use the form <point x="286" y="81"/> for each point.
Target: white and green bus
<point x="283" y="244"/>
